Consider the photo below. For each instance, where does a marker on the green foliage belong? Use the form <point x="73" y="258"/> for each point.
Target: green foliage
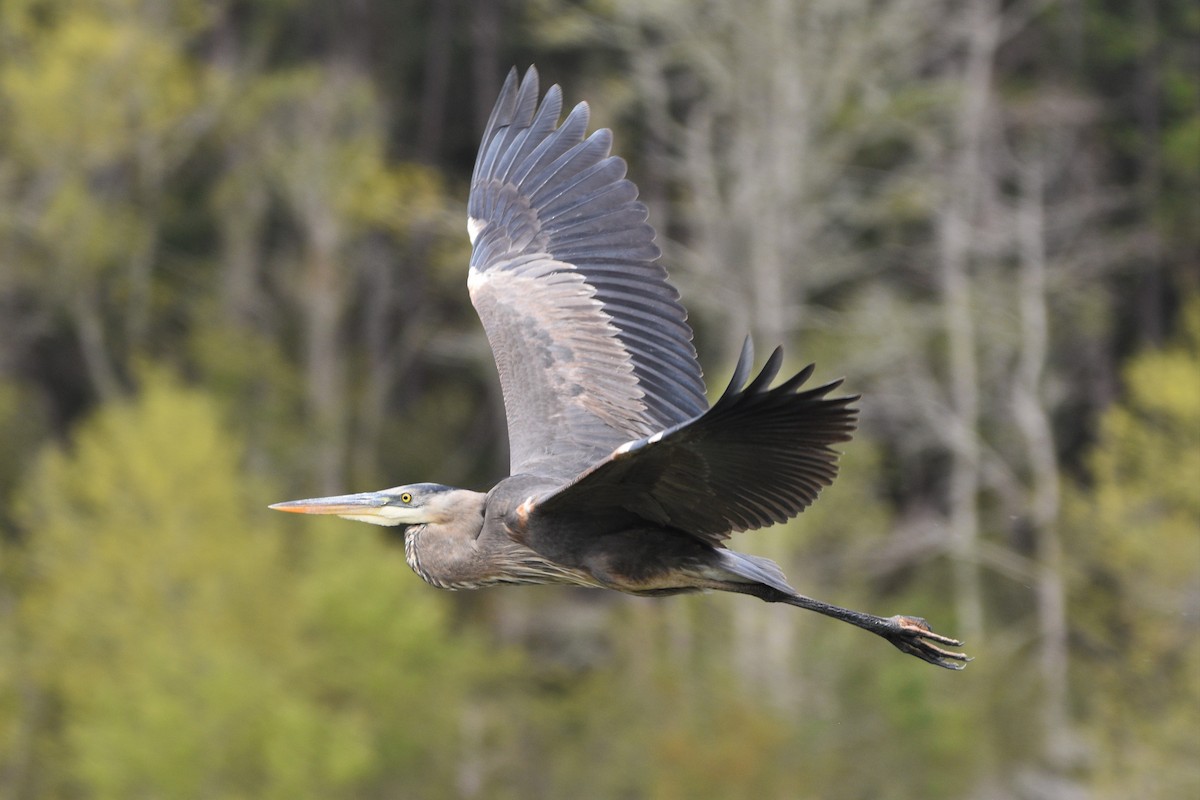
<point x="249" y="373"/>
<point x="22" y="427"/>
<point x="90" y="88"/>
<point x="1143" y="66"/>
<point x="97" y="107"/>
<point x="150" y="607"/>
<point x="316" y="137"/>
<point x="1134" y="538"/>
<point x="192" y="649"/>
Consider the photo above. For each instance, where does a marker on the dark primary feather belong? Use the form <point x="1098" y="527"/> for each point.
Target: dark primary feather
<point x="759" y="456"/>
<point x="591" y="342"/>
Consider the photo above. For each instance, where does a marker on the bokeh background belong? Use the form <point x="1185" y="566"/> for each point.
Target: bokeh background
<point x="232" y="267"/>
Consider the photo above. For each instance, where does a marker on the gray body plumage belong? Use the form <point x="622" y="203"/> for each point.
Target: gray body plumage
<point x="622" y="476"/>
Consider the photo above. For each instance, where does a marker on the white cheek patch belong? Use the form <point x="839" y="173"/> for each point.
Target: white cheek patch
<point x="409" y="516"/>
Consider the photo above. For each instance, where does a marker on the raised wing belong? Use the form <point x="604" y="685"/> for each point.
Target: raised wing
<point x="759" y="456"/>
<point x="591" y="342"/>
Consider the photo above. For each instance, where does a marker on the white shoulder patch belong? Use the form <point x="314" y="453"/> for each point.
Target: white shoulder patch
<point x="474" y="226"/>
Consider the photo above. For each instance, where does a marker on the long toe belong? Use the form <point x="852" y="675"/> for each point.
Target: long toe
<point x="913" y="635"/>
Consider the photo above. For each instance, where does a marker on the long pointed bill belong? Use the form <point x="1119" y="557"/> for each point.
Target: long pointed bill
<point x="366" y="507"/>
<point x="341" y="504"/>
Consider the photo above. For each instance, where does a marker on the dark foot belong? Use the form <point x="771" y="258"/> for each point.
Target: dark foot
<point x="914" y="636"/>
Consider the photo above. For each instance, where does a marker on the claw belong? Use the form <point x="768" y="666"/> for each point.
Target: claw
<point x="913" y="635"/>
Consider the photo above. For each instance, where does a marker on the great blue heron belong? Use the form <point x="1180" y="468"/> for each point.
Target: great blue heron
<point x="622" y="476"/>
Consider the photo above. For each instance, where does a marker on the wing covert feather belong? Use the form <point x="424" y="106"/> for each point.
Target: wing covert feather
<point x="759" y="456"/>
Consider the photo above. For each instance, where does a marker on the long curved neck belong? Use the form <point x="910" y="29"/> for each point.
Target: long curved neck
<point x="444" y="551"/>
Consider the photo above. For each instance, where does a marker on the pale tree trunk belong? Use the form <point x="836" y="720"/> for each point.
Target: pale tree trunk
<point x="707" y="217"/>
<point x="770" y="159"/>
<point x="151" y="172"/>
<point x="387" y="358"/>
<point x="768" y="642"/>
<point x="155" y="154"/>
<point x="962" y="199"/>
<point x="470" y="777"/>
<point x="241" y="219"/>
<point x="141" y="272"/>
<point x="764" y="197"/>
<point x="325" y="374"/>
<point x="1151" y="293"/>
<point x="89" y="328"/>
<point x="434" y="93"/>
<point x="28" y="714"/>
<point x="485" y="20"/>
<point x="241" y="203"/>
<point x="1033" y="420"/>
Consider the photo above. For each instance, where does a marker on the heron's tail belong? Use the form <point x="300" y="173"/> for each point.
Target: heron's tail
<point x="755" y="569"/>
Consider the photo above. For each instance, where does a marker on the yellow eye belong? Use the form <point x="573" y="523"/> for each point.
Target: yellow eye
<point x="406" y="498"/>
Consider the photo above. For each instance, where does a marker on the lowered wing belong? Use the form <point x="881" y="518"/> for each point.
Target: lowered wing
<point x="759" y="456"/>
<point x="591" y="343"/>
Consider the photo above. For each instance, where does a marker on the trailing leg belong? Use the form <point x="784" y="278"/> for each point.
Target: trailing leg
<point x="763" y="579"/>
<point x="911" y="635"/>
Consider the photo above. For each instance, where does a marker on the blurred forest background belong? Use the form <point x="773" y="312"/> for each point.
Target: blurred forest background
<point x="232" y="268"/>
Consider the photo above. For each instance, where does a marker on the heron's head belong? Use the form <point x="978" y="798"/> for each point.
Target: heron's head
<point x="414" y="504"/>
